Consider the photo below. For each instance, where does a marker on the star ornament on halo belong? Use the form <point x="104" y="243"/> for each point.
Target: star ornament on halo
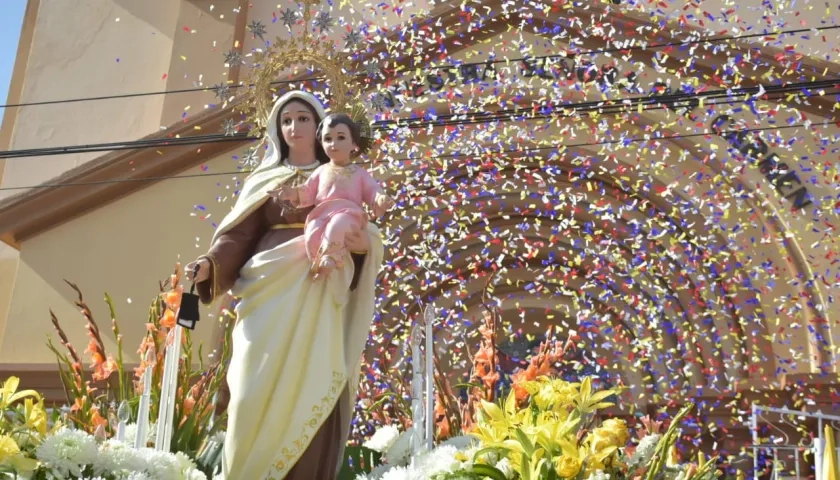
<point x="230" y="127"/>
<point x="371" y="69"/>
<point x="257" y="29"/>
<point x="289" y="17"/>
<point x="324" y="21"/>
<point x="251" y="159"/>
<point x="232" y="57"/>
<point x="222" y="91"/>
<point x="352" y="39"/>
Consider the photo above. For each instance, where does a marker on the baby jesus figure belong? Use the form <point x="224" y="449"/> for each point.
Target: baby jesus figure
<point x="337" y="190"/>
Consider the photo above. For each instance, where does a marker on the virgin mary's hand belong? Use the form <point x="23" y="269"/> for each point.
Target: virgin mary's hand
<point x="358" y="241"/>
<point x="203" y="270"/>
<point x="283" y="193"/>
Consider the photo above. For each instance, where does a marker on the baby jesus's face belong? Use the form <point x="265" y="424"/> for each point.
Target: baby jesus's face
<point x="338" y="143"/>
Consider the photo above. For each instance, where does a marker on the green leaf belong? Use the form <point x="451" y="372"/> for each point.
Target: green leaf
<point x="510" y="404"/>
<point x="209" y="458"/>
<point x="586" y="388"/>
<point x="488" y="471"/>
<point x="526" y="467"/>
<point x="467" y="385"/>
<point x="525" y="442"/>
<point x="600" y="396"/>
<point x="493" y="411"/>
<point x="485" y="450"/>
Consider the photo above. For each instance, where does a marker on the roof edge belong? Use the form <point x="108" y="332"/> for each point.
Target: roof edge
<point x="36" y="210"/>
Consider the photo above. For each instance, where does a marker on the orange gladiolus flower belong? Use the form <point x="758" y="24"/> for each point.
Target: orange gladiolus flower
<point x="189" y="404"/>
<point x="444" y="431"/>
<point x="103" y="370"/>
<point x="173" y="298"/>
<point x="168" y="319"/>
<point x="97" y="419"/>
<point x="78" y="403"/>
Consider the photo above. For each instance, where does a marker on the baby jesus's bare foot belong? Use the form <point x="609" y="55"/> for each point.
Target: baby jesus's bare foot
<point x="325" y="267"/>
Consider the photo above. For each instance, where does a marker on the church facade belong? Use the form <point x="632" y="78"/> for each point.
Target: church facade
<point x="691" y="238"/>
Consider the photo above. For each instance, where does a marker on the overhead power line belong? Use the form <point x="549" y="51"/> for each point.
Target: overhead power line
<point x="407" y="159"/>
<point x="136" y="144"/>
<point x="441" y="67"/>
<point x="617" y="106"/>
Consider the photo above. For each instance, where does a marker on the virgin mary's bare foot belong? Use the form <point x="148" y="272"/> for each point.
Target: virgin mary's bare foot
<point x="325" y="267"/>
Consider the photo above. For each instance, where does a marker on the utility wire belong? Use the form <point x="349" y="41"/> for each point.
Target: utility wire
<point x="646" y="103"/>
<point x="407" y="159"/>
<point x="442" y="67"/>
<point x="137" y="144"/>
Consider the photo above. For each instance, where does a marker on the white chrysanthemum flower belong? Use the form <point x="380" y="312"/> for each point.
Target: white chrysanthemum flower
<point x="397" y="473"/>
<point x="67" y="453"/>
<point x="490" y="458"/>
<point x="376" y="473"/>
<point x="195" y="474"/>
<point x="188" y="468"/>
<point x="598" y="475"/>
<point x="139" y="476"/>
<point x="506" y="468"/>
<point x="383" y="438"/>
<point x="439" y="461"/>
<point x="118" y="459"/>
<point x="462" y="442"/>
<point x="400" y="451"/>
<point x="93" y="478"/>
<point x="131" y="433"/>
<point x="644" y="452"/>
<point x="162" y="465"/>
<point x="184" y="461"/>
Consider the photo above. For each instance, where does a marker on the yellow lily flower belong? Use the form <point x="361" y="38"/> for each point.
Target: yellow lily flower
<point x="588" y="402"/>
<point x="9" y="393"/>
<point x="35" y="416"/>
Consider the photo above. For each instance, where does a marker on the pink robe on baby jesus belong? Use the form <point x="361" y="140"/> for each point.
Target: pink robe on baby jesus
<point x="338" y="194"/>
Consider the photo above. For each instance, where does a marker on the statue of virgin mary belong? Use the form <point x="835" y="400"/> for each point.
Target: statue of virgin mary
<point x="297" y="344"/>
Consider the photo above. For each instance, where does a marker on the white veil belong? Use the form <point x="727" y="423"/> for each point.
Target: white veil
<point x="270" y="171"/>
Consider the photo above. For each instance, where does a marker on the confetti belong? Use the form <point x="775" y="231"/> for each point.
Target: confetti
<point x="658" y="180"/>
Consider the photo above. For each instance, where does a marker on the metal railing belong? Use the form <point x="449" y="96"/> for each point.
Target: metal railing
<point x="783" y="448"/>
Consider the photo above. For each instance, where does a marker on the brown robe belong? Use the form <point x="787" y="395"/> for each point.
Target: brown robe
<point x="227" y="256"/>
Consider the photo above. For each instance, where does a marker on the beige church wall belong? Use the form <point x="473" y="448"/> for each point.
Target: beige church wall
<point x="124" y="249"/>
<point x="8" y="271"/>
<point x="204" y="32"/>
<point x="115" y="47"/>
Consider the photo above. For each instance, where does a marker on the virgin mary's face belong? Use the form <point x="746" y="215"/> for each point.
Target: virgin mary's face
<point x="297" y="124"/>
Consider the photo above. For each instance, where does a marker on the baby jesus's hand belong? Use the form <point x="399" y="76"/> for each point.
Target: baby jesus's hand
<point x="382" y="204"/>
<point x="284" y="193"/>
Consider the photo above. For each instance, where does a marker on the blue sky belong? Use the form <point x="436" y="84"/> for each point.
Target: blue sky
<point x="11" y="18"/>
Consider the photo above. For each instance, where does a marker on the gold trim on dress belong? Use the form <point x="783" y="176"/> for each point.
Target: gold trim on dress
<point x="283" y="226"/>
<point x="292" y="451"/>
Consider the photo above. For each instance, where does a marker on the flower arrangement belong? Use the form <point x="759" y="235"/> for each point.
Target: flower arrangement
<point x="36" y="446"/>
<point x="94" y="400"/>
<point x="24" y="424"/>
<point x="387" y="400"/>
<point x="552" y="434"/>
